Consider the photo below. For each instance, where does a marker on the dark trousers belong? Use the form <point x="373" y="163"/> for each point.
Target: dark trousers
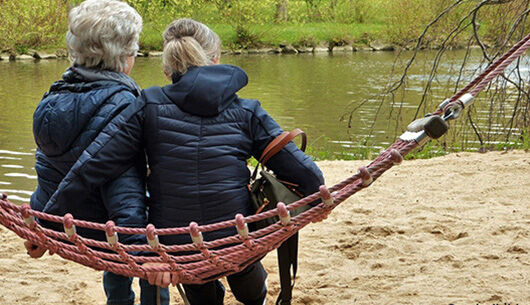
<point x="119" y="292"/>
<point x="248" y="287"/>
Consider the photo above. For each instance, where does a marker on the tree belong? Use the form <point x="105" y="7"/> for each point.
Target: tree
<point x="492" y="26"/>
<point x="281" y="11"/>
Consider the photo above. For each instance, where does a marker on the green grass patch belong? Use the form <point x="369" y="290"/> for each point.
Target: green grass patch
<point x="307" y="34"/>
<point x="314" y="33"/>
<point x="430" y="150"/>
<point x="521" y="142"/>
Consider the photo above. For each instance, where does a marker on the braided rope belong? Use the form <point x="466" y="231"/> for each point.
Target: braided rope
<point x="492" y="71"/>
<point x="203" y="261"/>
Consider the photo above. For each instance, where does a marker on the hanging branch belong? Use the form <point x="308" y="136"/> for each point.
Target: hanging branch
<point x="508" y="112"/>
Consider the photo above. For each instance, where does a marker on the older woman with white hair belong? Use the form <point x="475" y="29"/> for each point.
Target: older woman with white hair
<point x="102" y="40"/>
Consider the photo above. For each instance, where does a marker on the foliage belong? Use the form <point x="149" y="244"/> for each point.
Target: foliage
<point x="406" y="19"/>
<point x="249" y="23"/>
<point x="496" y="20"/>
<point x="409" y="17"/>
<point x="32" y="23"/>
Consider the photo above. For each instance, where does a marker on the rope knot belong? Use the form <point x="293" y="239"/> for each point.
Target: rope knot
<point x="112" y="236"/>
<point x="195" y="233"/>
<point x="366" y="177"/>
<point x="395" y="157"/>
<point x="325" y="195"/>
<point x="284" y="214"/>
<point x="24" y="210"/>
<point x="68" y="223"/>
<point x="28" y="219"/>
<point x="241" y="226"/>
<point x="152" y="238"/>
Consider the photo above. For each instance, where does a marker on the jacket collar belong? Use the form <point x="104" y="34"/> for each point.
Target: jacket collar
<point x="82" y="74"/>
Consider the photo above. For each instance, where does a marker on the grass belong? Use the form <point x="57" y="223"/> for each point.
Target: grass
<point x="311" y="34"/>
<point x="521" y="142"/>
<point x="307" y="34"/>
<point x="430" y="150"/>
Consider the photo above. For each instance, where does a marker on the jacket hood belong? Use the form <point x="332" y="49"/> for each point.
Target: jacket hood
<point x="69" y="108"/>
<point x="207" y="90"/>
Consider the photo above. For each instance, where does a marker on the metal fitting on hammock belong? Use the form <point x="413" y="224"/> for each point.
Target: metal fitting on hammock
<point x="420" y="137"/>
<point x="325" y="195"/>
<point x="195" y="233"/>
<point x="69" y="227"/>
<point x="366" y="177"/>
<point x="110" y="233"/>
<point x="466" y="99"/>
<point x="152" y="238"/>
<point x="454" y="111"/>
<point x="444" y="103"/>
<point x="285" y="216"/>
<point x="241" y="226"/>
<point x="396" y="157"/>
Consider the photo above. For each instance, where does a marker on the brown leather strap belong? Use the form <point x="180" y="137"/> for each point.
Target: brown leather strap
<point x="272" y="145"/>
<point x="278" y="144"/>
<point x="274" y="149"/>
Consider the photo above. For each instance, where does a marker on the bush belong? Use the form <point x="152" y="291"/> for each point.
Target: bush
<point x="32" y="23"/>
<point x="247" y="23"/>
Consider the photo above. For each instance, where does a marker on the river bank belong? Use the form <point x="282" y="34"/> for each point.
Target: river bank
<point x="453" y="229"/>
<point x="280" y="49"/>
<point x="322" y="48"/>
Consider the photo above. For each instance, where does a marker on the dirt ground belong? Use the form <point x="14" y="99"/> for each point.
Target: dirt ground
<point x="448" y="230"/>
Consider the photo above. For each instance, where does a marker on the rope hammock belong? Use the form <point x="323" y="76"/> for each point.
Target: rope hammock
<point x="204" y="261"/>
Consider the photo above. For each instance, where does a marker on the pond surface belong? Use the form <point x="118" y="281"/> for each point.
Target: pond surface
<point x="308" y="91"/>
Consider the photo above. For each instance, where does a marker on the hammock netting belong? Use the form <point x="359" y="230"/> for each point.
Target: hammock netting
<point x="202" y="261"/>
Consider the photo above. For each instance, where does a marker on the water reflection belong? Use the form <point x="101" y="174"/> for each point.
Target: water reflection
<point x="312" y="92"/>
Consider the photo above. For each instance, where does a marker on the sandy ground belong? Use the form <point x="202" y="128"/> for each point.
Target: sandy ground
<point x="449" y="230"/>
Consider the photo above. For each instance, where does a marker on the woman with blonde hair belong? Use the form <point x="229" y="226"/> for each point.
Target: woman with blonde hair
<point x="198" y="135"/>
<point x="102" y="41"/>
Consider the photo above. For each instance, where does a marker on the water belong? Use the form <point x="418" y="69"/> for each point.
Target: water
<point x="311" y="92"/>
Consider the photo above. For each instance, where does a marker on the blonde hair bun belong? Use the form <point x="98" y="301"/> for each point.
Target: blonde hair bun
<point x="189" y="43"/>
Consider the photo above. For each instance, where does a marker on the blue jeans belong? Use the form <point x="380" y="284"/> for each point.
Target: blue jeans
<point x="119" y="292"/>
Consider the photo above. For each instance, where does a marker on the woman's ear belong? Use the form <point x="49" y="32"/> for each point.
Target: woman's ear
<point x="216" y="60"/>
<point x="130" y="64"/>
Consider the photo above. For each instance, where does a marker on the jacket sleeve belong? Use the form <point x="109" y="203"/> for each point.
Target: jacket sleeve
<point x="290" y="164"/>
<point x="124" y="199"/>
<point x="112" y="152"/>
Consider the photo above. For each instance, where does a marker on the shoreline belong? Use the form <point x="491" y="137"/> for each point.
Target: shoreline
<point x="289" y="49"/>
<point x="273" y="50"/>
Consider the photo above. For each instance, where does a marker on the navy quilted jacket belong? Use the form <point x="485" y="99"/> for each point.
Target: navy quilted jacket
<point x="66" y="121"/>
<point x="198" y="136"/>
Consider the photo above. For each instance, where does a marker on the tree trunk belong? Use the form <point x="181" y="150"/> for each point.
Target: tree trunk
<point x="282" y="14"/>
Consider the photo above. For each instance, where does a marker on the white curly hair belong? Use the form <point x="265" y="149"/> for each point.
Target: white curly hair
<point x="103" y="34"/>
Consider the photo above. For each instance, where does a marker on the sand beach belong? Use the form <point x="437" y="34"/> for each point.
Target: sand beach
<point x="447" y="230"/>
